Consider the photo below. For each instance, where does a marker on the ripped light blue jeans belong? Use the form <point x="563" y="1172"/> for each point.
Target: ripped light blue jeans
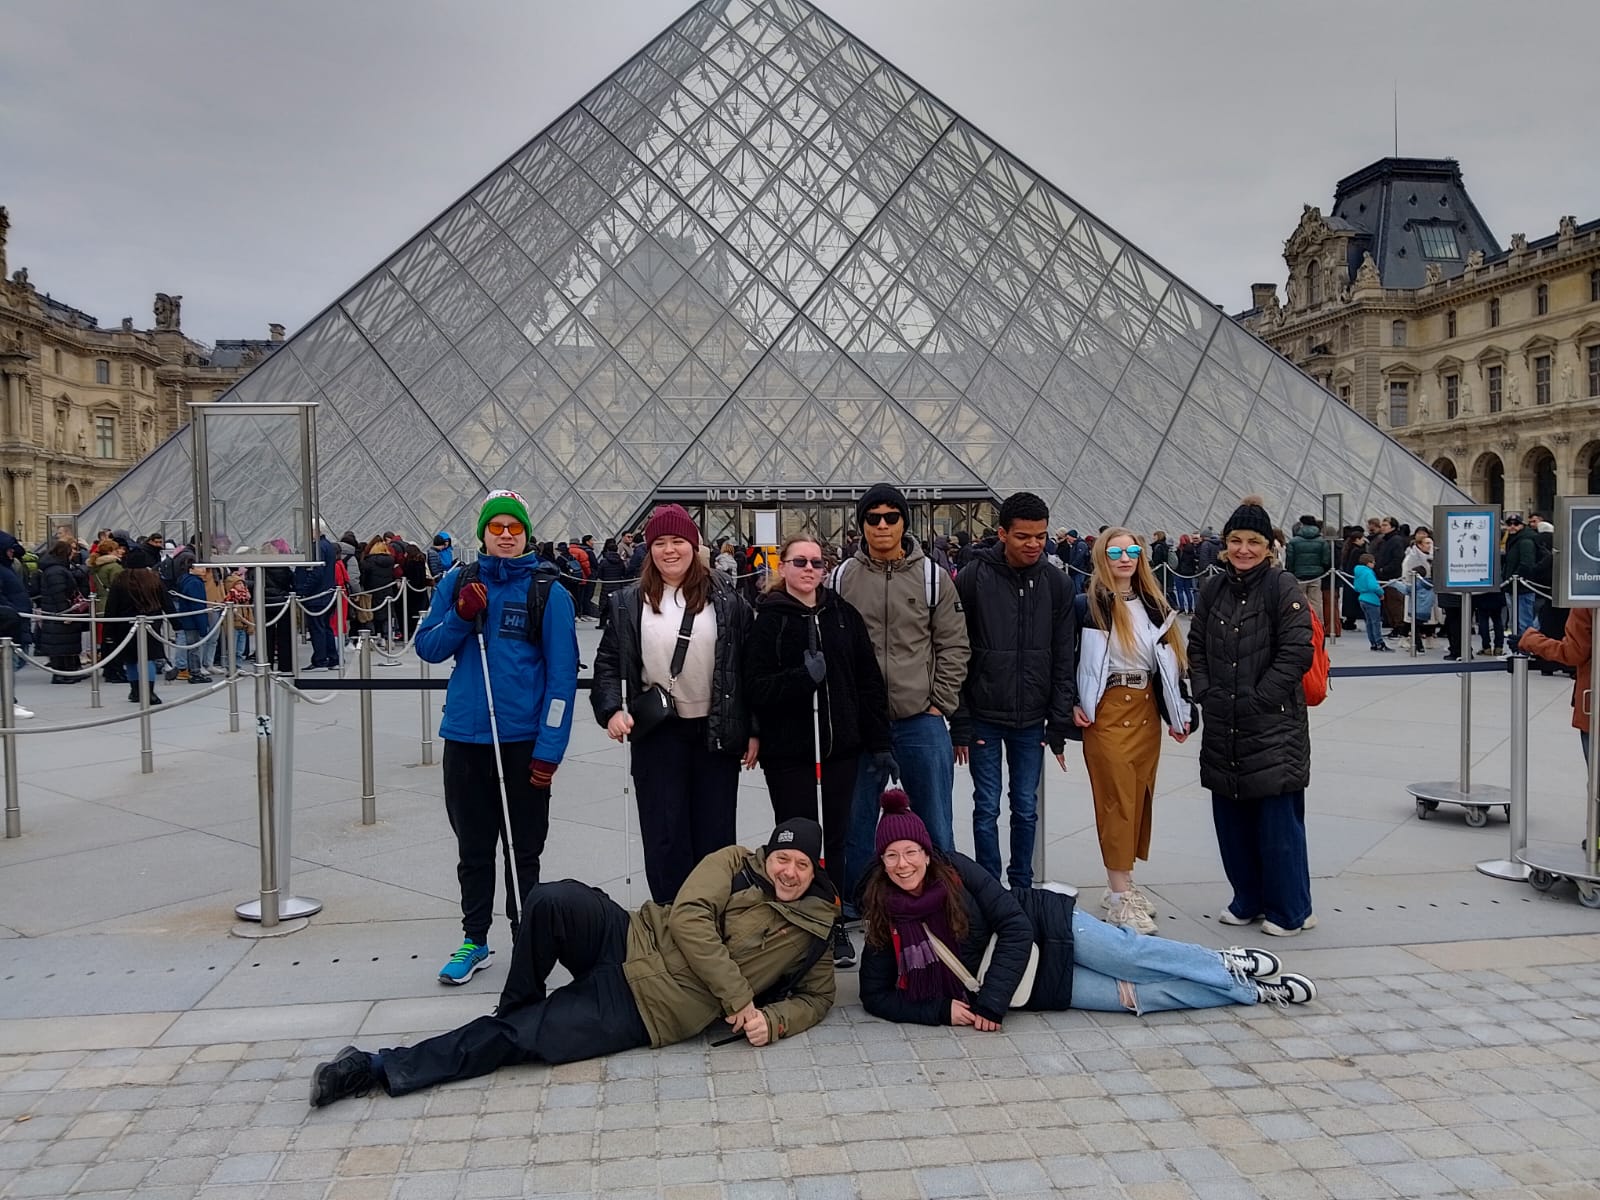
<point x="1165" y="974"/>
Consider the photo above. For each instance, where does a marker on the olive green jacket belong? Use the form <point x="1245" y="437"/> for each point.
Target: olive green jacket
<point x="714" y="950"/>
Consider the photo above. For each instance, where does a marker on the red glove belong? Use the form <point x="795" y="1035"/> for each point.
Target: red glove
<point x="471" y="601"/>
<point x="540" y="773"/>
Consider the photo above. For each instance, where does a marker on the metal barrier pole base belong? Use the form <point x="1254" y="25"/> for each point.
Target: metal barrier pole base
<point x="290" y="908"/>
<point x="1477" y="802"/>
<point x="1500" y="868"/>
<point x="255" y="930"/>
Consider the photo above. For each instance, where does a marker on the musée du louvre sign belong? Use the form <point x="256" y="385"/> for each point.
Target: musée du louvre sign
<point x="814" y="494"/>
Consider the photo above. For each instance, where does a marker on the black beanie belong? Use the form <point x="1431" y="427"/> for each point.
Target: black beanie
<point x="1251" y="517"/>
<point x="879" y="494"/>
<point x="798" y="833"/>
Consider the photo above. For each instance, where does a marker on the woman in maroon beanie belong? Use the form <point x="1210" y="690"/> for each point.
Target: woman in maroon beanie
<point x="681" y="628"/>
<point x="947" y="945"/>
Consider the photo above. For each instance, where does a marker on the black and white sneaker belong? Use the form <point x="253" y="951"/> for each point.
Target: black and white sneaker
<point x="1288" y="988"/>
<point x="844" y="950"/>
<point x="348" y="1074"/>
<point x="1248" y="962"/>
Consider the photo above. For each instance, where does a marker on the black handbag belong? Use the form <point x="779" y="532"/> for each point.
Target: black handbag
<point x="654" y="704"/>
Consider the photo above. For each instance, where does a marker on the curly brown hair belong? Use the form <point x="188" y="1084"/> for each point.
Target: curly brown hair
<point x="878" y="887"/>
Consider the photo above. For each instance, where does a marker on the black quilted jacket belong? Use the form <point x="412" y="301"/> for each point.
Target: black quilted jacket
<point x="1249" y="646"/>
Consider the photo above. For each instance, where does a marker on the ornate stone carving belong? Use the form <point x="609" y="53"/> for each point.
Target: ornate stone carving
<point x="168" y="311"/>
<point x="1367" y="273"/>
<point x="1422" y="405"/>
<point x="1567" y="228"/>
<point x="1562" y="439"/>
<point x="1513" y="390"/>
<point x="20" y="277"/>
<point x="1474" y="260"/>
<point x="1568" y="389"/>
<point x="1464" y="398"/>
<point x="1519" y="243"/>
<point x="1432" y="274"/>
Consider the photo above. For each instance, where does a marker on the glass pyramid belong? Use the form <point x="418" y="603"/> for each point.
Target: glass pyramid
<point x="760" y="255"/>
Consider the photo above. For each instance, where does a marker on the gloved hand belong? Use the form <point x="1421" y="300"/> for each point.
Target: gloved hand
<point x="816" y="666"/>
<point x="883" y="762"/>
<point x="540" y="773"/>
<point x="472" y="601"/>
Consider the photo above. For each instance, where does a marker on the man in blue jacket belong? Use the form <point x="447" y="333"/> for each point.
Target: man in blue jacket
<point x="315" y="587"/>
<point x="530" y="632"/>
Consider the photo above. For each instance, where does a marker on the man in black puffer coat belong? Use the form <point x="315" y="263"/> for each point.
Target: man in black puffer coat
<point x="1249" y="647"/>
<point x="1021" y="685"/>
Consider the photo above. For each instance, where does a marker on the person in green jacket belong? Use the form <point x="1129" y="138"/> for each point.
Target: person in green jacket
<point x="745" y="940"/>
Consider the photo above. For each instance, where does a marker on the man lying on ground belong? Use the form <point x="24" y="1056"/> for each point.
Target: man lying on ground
<point x="745" y="939"/>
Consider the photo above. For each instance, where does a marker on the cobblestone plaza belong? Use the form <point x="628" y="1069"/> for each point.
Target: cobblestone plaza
<point x="146" y="1052"/>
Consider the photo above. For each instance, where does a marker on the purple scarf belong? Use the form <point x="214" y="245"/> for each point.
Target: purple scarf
<point x="922" y="975"/>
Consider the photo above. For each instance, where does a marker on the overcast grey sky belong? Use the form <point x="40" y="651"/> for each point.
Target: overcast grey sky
<point x="259" y="158"/>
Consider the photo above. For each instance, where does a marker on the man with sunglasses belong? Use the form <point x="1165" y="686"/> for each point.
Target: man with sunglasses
<point x="511" y="599"/>
<point x="1020" y="686"/>
<point x="913" y="616"/>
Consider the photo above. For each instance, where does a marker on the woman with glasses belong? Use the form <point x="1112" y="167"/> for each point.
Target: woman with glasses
<point x="947" y="945"/>
<point x="814" y="685"/>
<point x="683" y="629"/>
<point x="1130" y="684"/>
<point x="486" y="615"/>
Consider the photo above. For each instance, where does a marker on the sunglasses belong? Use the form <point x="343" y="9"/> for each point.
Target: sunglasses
<point x="888" y="518"/>
<point x="499" y="528"/>
<point x="816" y="564"/>
<point x="1116" y="552"/>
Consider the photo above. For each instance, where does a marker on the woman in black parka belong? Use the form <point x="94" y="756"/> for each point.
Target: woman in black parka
<point x="809" y="671"/>
<point x="927" y="912"/>
<point x="61" y="583"/>
<point x="1249" y="647"/>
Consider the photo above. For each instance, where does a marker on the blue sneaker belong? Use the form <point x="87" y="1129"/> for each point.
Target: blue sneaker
<point x="465" y="963"/>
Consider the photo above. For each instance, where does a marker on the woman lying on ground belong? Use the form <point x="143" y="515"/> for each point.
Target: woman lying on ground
<point x="947" y="945"/>
<point x="745" y="939"/>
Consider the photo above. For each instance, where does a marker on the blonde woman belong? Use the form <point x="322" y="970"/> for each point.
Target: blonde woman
<point x="1130" y="682"/>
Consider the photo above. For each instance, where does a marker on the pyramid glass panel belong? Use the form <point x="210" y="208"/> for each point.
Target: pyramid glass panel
<point x="758" y="255"/>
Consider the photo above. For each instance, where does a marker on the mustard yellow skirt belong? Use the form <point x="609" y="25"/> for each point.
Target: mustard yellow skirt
<point x="1121" y="751"/>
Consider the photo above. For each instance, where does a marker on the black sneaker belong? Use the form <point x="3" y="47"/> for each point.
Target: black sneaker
<point x="844" y="950"/>
<point x="349" y="1074"/>
<point x="1286" y="989"/>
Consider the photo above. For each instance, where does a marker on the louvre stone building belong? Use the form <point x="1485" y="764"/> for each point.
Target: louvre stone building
<point x="760" y="268"/>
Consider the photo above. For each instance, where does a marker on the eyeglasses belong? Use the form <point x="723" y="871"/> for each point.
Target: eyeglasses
<point x="888" y="518"/>
<point x="505" y="528"/>
<point x="913" y="855"/>
<point x="816" y="564"/>
<point x="1116" y="552"/>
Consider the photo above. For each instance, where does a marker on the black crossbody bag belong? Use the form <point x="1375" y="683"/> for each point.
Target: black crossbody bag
<point x="654" y="704"/>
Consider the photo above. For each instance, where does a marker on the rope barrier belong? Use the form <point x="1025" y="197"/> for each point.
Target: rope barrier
<point x="165" y="706"/>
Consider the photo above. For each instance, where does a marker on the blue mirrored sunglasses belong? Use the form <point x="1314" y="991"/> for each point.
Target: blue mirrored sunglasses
<point x="1116" y="552"/>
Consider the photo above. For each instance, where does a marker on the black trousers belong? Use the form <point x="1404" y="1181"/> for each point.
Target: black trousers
<point x="1452" y="628"/>
<point x="567" y="922"/>
<point x="688" y="802"/>
<point x="794" y="794"/>
<point x="472" y="802"/>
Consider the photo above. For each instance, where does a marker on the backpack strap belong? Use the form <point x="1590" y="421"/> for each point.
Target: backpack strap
<point x="544" y="575"/>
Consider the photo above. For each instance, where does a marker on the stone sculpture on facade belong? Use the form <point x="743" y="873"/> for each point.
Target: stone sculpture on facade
<point x="1367" y="273"/>
<point x="168" y="310"/>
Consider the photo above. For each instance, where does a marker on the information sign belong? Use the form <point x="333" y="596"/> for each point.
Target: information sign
<point x="1576" y="568"/>
<point x="1466" y="548"/>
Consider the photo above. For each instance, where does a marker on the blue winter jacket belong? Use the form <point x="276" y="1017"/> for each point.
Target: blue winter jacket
<point x="189" y="604"/>
<point x="1367" y="589"/>
<point x="534" y="686"/>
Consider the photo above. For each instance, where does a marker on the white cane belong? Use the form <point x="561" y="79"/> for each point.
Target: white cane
<point x="500" y="778"/>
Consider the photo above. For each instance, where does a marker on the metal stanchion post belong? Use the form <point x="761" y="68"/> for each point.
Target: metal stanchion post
<point x="1591" y="845"/>
<point x="290" y="906"/>
<point x="1512" y="631"/>
<point x="147" y="758"/>
<point x="1475" y="799"/>
<point x="1466" y="709"/>
<point x="427" y="719"/>
<point x="369" y="791"/>
<point x="8" y="718"/>
<point x="1510" y="867"/>
<point x="295" y="617"/>
<point x="230" y="663"/>
<point x="267" y="907"/>
<point x="94" y="664"/>
<point x="405" y="611"/>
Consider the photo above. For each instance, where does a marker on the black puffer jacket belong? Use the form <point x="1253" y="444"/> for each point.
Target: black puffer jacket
<point x="60" y="583"/>
<point x="1017" y="919"/>
<point x="1249" y="646"/>
<point x="854" y="708"/>
<point x="619" y="669"/>
<point x="1022" y="627"/>
<point x="1388" y="555"/>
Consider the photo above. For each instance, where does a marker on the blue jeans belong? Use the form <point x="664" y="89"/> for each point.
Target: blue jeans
<point x="1372" y="617"/>
<point x="194" y="643"/>
<point x="1263" y="845"/>
<point x="922" y="747"/>
<point x="241" y="647"/>
<point x="1183" y="591"/>
<point x="1165" y="974"/>
<point x="1526" y="600"/>
<point x="1024" y="754"/>
<point x="324" y="644"/>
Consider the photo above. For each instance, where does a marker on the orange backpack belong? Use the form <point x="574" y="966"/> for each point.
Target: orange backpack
<point x="1315" y="680"/>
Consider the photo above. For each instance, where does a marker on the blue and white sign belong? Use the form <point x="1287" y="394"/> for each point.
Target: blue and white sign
<point x="1577" y="552"/>
<point x="1466" y="548"/>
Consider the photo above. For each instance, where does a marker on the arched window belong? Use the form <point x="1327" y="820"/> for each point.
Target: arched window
<point x="1450" y="323"/>
<point x="1397" y="334"/>
<point x="102" y="371"/>
<point x="1541" y="300"/>
<point x="1314" y="282"/>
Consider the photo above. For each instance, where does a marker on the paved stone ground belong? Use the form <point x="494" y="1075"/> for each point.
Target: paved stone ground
<point x="143" y="1052"/>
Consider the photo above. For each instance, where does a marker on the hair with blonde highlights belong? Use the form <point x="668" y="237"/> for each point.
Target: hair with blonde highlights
<point x="775" y="578"/>
<point x="1105" y="594"/>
